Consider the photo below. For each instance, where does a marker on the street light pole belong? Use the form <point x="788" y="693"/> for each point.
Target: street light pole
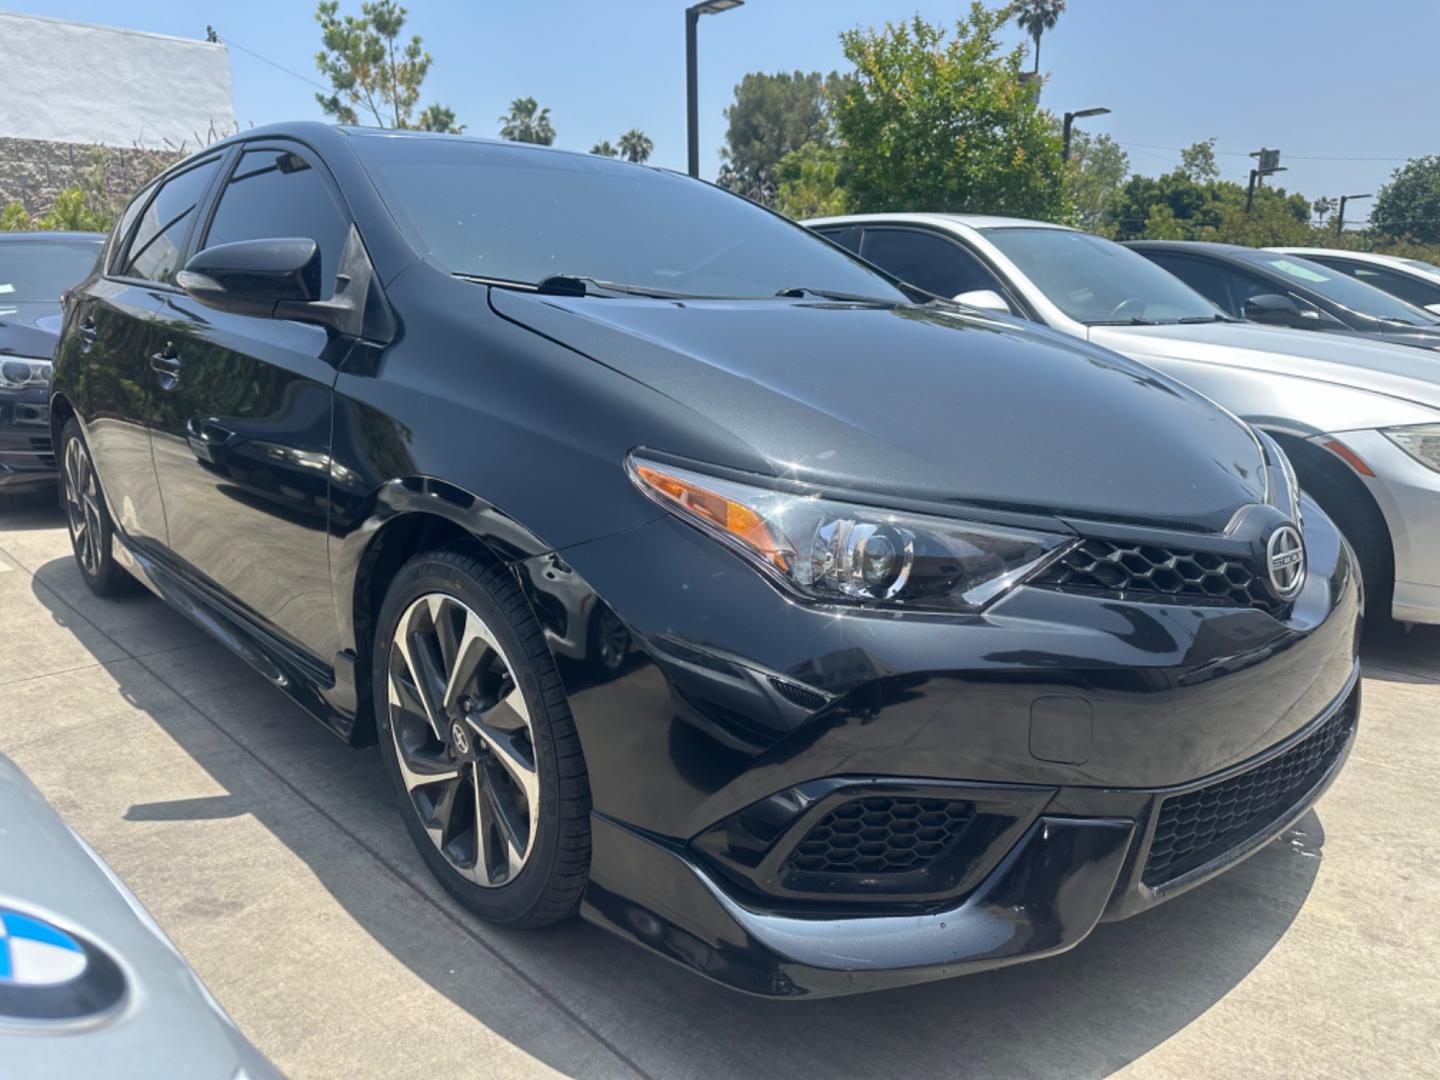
<point x="1070" y="118"/>
<point x="692" y="75"/>
<point x="1340" y="214"/>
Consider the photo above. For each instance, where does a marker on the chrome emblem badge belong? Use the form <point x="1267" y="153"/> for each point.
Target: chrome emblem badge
<point x="462" y="741"/>
<point x="1285" y="560"/>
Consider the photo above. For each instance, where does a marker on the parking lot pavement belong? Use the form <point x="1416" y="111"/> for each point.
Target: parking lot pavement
<point x="274" y="858"/>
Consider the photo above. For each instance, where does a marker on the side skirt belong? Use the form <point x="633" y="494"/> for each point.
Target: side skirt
<point x="305" y="680"/>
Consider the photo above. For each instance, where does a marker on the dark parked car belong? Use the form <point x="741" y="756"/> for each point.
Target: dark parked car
<point x="943" y="638"/>
<point x="1281" y="289"/>
<point x="35" y="269"/>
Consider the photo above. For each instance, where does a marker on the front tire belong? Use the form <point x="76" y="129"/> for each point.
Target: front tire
<point x="92" y="534"/>
<point x="477" y="736"/>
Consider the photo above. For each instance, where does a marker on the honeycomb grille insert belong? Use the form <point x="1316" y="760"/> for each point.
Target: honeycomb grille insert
<point x="1196" y="826"/>
<point x="881" y="835"/>
<point x="1149" y="571"/>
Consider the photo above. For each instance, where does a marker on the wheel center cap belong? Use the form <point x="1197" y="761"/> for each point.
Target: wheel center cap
<point x="460" y="738"/>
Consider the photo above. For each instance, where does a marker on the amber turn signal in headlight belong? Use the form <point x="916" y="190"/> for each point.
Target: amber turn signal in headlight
<point x="831" y="550"/>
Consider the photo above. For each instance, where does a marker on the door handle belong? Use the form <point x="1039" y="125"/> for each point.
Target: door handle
<point x="166" y="366"/>
<point x="88" y="334"/>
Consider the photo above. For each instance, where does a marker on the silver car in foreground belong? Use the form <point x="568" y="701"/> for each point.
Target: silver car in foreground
<point x="1360" y="420"/>
<point x="89" y="984"/>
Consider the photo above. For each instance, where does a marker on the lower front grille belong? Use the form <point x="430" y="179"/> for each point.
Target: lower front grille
<point x="881" y="835"/>
<point x="1195" y="827"/>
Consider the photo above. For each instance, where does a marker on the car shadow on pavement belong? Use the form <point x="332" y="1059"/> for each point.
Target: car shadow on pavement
<point x="1122" y="992"/>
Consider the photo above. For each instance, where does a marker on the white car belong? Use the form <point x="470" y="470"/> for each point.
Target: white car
<point x="1412" y="280"/>
<point x="1360" y="420"/>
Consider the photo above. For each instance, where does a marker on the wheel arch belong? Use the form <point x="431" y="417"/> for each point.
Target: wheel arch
<point x="408" y="517"/>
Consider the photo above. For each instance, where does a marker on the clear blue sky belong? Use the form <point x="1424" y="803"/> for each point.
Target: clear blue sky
<point x="1324" y="81"/>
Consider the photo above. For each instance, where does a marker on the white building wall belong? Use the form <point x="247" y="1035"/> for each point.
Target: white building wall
<point x="76" y="83"/>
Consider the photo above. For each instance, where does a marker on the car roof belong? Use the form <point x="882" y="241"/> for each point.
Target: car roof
<point x="1210" y="247"/>
<point x="52" y="234"/>
<point x="974" y="221"/>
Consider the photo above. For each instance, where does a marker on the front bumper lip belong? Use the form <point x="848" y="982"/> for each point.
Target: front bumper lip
<point x="1065" y="875"/>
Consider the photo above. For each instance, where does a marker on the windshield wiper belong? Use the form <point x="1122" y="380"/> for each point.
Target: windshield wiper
<point x="1191" y="320"/>
<point x="1134" y="320"/>
<point x="799" y="292"/>
<point x="576" y="285"/>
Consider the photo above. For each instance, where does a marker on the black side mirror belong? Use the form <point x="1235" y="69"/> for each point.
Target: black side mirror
<point x="281" y="279"/>
<point x="1276" y="310"/>
<point x="250" y="277"/>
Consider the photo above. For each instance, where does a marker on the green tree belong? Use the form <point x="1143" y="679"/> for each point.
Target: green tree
<point x="772" y="116"/>
<point x="1097" y="170"/>
<point x="1322" y="206"/>
<point x="13" y="217"/>
<point x="636" y="146"/>
<point x="1036" y="18"/>
<point x="72" y="211"/>
<point x="937" y="122"/>
<point x="1409" y="205"/>
<point x="370" y="69"/>
<point x="604" y="149"/>
<point x="528" y="123"/>
<point x="808" y="182"/>
<point x="438" y="118"/>
<point x="1197" y="161"/>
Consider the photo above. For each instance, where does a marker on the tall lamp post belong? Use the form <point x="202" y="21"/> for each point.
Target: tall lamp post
<point x="1070" y="118"/>
<point x="1340" y="214"/>
<point x="692" y="81"/>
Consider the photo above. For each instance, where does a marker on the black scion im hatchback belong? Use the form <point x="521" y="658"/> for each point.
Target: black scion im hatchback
<point x="692" y="574"/>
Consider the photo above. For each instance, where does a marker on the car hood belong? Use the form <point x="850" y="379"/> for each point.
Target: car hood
<point x="1394" y="370"/>
<point x="29" y="328"/>
<point x="924" y="403"/>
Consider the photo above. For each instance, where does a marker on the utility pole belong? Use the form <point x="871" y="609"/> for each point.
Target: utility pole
<point x="1269" y="162"/>
<point x="692" y="78"/>
<point x="1070" y="118"/>
<point x="1340" y="214"/>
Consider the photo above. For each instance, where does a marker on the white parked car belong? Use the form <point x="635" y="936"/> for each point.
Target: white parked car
<point x="1412" y="280"/>
<point x="1360" y="420"/>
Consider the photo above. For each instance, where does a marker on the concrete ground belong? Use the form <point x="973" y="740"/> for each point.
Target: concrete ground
<point x="274" y="858"/>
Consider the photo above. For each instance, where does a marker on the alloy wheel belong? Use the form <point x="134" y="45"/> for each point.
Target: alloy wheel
<point x="82" y="505"/>
<point x="463" y="739"/>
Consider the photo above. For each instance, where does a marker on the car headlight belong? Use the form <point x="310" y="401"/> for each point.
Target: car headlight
<point x="839" y="552"/>
<point x="1421" y="442"/>
<point x="20" y="372"/>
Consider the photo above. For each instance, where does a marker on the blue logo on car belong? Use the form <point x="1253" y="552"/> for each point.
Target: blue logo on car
<point x="50" y="975"/>
<point x="35" y="953"/>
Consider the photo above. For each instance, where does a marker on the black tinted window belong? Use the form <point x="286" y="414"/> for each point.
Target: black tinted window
<point x="155" y="249"/>
<point x="42" y="269"/>
<point x="925" y="259"/>
<point x="516" y="213"/>
<point x="1207" y="278"/>
<point x="274" y="194"/>
<point x="1411" y="290"/>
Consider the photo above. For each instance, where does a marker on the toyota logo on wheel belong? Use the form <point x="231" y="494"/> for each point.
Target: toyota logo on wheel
<point x="1285" y="560"/>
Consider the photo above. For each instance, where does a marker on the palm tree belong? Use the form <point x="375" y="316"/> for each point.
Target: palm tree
<point x="635" y="146"/>
<point x="1035" y="17"/>
<point x="528" y="123"/>
<point x="604" y="149"/>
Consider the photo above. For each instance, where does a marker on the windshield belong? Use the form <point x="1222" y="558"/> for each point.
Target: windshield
<point x="40" y="270"/>
<point x="520" y="214"/>
<point x="1096" y="281"/>
<point x="1343" y="289"/>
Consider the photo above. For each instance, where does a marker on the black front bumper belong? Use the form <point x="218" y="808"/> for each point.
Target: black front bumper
<point x="1089" y="855"/>
<point x="1093" y="756"/>
<point x="27" y="460"/>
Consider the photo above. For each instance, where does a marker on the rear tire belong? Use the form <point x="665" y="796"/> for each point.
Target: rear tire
<point x="92" y="535"/>
<point x="477" y="736"/>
